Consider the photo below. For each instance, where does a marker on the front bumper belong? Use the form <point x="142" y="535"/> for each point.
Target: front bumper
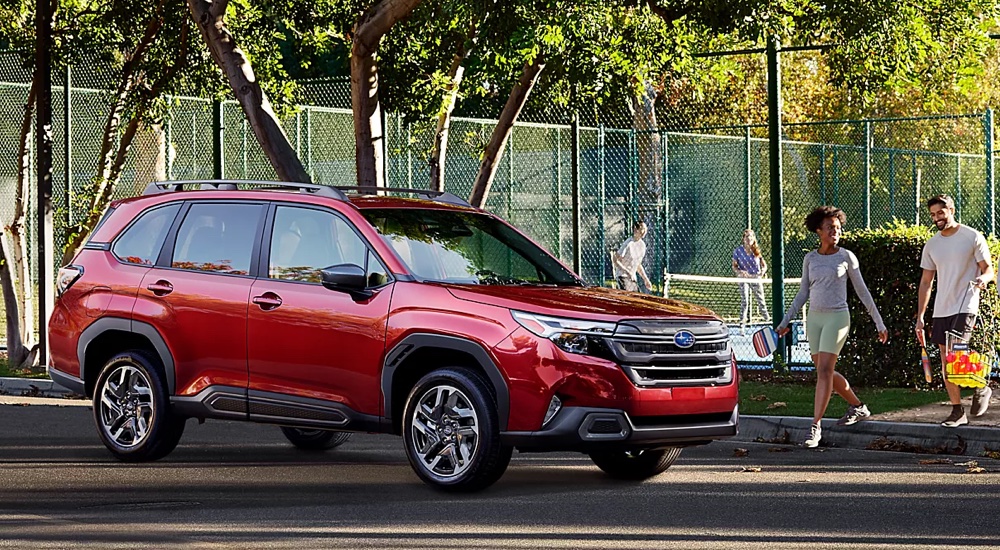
<point x="588" y="429"/>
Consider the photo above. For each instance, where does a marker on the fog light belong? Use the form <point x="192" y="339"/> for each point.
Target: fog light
<point x="554" y="407"/>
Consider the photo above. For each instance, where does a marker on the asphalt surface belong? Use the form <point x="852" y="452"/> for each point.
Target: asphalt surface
<point x="241" y="485"/>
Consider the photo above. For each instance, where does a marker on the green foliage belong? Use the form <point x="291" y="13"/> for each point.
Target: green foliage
<point x="890" y="264"/>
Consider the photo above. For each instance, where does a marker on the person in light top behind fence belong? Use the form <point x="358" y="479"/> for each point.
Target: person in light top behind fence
<point x="824" y="284"/>
<point x="748" y="263"/>
<point x="628" y="260"/>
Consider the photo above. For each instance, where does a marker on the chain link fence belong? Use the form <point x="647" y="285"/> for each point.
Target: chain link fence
<point x="696" y="179"/>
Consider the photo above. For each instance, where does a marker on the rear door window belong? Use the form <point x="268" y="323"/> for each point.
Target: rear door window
<point x="217" y="237"/>
<point x="140" y="243"/>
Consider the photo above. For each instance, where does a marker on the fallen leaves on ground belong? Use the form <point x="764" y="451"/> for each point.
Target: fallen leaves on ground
<point x="937" y="461"/>
<point x="885" y="444"/>
<point x="777" y="405"/>
<point x="976" y="470"/>
<point x="760" y="397"/>
<point x="783" y="439"/>
<point x="778" y="450"/>
<point x="751" y="469"/>
<point x="739" y="451"/>
<point x="990" y="453"/>
<point x="970" y="464"/>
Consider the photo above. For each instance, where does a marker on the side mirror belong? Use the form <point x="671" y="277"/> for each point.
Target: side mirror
<point x="346" y="278"/>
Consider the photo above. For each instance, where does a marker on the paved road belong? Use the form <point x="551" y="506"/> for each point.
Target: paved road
<point x="241" y="485"/>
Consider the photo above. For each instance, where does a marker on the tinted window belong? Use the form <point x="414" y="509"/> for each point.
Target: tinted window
<point x="462" y="247"/>
<point x="304" y="241"/>
<point x="217" y="238"/>
<point x="141" y="242"/>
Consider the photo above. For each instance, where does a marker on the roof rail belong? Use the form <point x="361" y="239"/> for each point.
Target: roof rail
<point x="437" y="196"/>
<point x="158" y="187"/>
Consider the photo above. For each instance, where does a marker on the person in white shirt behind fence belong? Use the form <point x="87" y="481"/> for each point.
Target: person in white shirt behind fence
<point x="628" y="260"/>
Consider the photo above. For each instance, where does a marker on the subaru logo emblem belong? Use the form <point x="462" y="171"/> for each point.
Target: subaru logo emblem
<point x="683" y="339"/>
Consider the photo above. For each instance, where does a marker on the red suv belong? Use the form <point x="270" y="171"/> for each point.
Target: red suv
<point x="328" y="313"/>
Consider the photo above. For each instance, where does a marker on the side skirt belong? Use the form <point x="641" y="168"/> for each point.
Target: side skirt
<point x="231" y="403"/>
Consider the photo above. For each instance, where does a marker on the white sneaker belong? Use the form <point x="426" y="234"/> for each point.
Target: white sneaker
<point x="815" y="434"/>
<point x="854" y="415"/>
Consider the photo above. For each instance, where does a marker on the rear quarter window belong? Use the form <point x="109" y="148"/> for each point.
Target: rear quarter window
<point x="141" y="241"/>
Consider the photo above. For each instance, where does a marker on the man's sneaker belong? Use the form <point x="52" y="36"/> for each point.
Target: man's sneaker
<point x="956" y="418"/>
<point x="854" y="415"/>
<point x="815" y="434"/>
<point x="981" y="401"/>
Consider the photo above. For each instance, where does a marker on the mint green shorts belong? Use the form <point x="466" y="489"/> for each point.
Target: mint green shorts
<point x="827" y="331"/>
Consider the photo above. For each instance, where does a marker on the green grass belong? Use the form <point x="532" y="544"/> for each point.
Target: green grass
<point x="7" y="372"/>
<point x="799" y="396"/>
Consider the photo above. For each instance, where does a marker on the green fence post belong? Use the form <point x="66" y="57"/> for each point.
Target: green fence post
<point x="990" y="197"/>
<point x="510" y="174"/>
<point x="68" y="143"/>
<point x="777" y="202"/>
<point x="244" y="150"/>
<point x="822" y="173"/>
<point x="868" y="175"/>
<point x="575" y="190"/>
<point x="601" y="204"/>
<point x="409" y="155"/>
<point x="958" y="187"/>
<point x="309" y="143"/>
<point x="557" y="194"/>
<point x="746" y="173"/>
<point x="665" y="194"/>
<point x="170" y="137"/>
<point x="218" y="164"/>
<point x="836" y="178"/>
<point x="892" y="184"/>
<point x="916" y="191"/>
<point x="633" y="183"/>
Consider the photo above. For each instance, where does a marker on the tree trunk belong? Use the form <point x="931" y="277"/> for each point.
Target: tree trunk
<point x="494" y="149"/>
<point x="23" y="306"/>
<point x="439" y="151"/>
<point x="648" y="141"/>
<point x="368" y="132"/>
<point x="210" y="16"/>
<point x="19" y="355"/>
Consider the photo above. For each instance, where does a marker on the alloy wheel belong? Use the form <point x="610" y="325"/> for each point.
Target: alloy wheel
<point x="445" y="431"/>
<point x="126" y="407"/>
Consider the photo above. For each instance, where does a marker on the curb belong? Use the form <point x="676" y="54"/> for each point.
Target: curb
<point x="33" y="387"/>
<point x="873" y="434"/>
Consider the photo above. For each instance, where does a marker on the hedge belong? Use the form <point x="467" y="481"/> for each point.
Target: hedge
<point x="890" y="264"/>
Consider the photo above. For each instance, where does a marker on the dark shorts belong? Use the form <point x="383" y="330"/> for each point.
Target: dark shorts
<point x="625" y="283"/>
<point x="962" y="323"/>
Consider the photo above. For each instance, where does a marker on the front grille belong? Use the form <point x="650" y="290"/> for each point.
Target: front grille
<point x="665" y="347"/>
<point x="648" y="354"/>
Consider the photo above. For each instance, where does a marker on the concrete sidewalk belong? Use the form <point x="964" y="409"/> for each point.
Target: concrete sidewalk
<point x="915" y="430"/>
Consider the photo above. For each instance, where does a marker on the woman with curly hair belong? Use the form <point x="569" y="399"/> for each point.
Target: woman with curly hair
<point x="824" y="284"/>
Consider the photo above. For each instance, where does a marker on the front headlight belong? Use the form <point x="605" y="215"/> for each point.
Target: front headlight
<point x="571" y="335"/>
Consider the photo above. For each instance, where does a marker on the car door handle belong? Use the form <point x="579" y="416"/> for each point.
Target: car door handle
<point x="161" y="288"/>
<point x="267" y="301"/>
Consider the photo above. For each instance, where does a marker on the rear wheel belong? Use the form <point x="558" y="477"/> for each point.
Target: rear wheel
<point x="132" y="409"/>
<point x="452" y="433"/>
<point x="635" y="465"/>
<point x="315" y="440"/>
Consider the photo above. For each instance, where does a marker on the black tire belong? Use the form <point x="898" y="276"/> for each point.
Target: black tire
<point x="461" y="432"/>
<point x="135" y="422"/>
<point x="635" y="465"/>
<point x="314" y="439"/>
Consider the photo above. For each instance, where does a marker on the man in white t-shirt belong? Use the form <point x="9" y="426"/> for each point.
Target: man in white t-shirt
<point x="960" y="258"/>
<point x="628" y="260"/>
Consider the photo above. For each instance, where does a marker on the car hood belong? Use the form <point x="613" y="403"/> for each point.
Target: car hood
<point x="592" y="303"/>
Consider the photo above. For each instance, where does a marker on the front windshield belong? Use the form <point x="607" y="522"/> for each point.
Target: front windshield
<point x="465" y="248"/>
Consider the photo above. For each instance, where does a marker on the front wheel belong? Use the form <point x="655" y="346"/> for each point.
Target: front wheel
<point x="315" y="440"/>
<point x="132" y="409"/>
<point x="635" y="465"/>
<point x="452" y="433"/>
